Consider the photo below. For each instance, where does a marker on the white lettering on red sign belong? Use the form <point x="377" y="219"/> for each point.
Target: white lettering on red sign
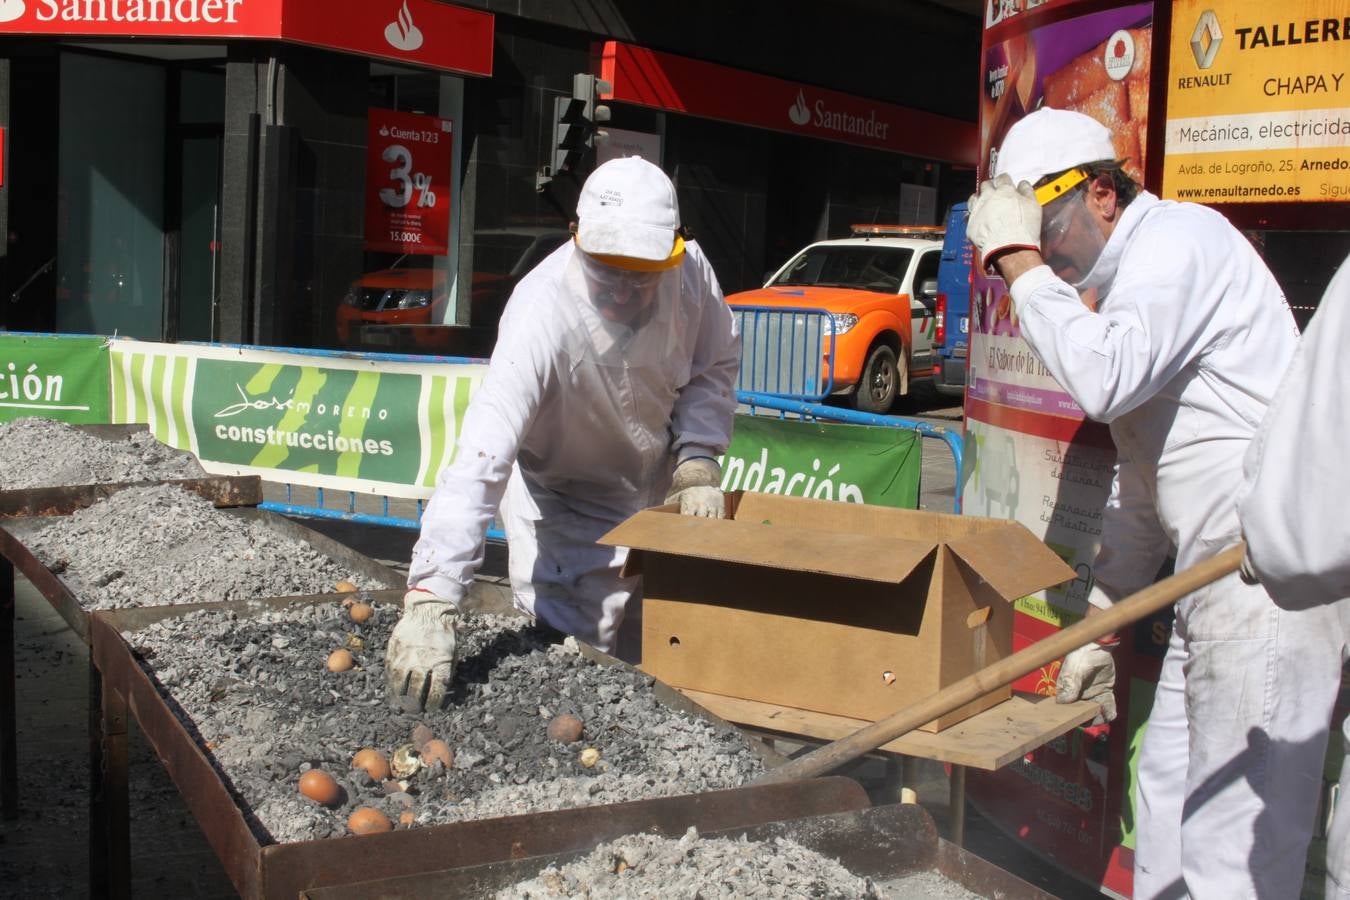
<point x="212" y="11"/>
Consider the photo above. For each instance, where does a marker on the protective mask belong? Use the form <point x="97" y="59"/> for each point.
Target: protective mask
<point x="622" y="318"/>
<point x="620" y="296"/>
<point x="1071" y="241"/>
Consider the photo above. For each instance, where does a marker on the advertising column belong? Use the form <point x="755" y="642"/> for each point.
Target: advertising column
<point x="1034" y="458"/>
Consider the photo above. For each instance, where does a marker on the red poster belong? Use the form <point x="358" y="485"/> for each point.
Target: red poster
<point x="407" y="182"/>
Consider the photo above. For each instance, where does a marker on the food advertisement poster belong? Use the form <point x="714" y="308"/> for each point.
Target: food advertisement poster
<point x="408" y="169"/>
<point x="1258" y="102"/>
<point x="1032" y="457"/>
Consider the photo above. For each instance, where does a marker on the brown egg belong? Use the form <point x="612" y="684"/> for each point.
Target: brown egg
<point x="565" y="728"/>
<point x="438" y="749"/>
<point x="373" y="761"/>
<point x="368" y="821"/>
<point x="420" y="735"/>
<point x="407" y="818"/>
<point x="340" y="661"/>
<point x="360" y="612"/>
<point x="320" y="787"/>
<point x="344" y="587"/>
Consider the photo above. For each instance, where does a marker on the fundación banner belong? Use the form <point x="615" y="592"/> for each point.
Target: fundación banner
<point x="365" y="425"/>
<point x="851" y="463"/>
<point x="62" y="377"/>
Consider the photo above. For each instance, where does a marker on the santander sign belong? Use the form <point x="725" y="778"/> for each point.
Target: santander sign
<point x="213" y="11"/>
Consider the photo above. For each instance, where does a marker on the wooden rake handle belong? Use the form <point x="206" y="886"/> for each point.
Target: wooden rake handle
<point x="1007" y="670"/>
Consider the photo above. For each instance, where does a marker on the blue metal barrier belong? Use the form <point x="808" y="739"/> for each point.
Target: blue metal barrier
<point x="786" y="352"/>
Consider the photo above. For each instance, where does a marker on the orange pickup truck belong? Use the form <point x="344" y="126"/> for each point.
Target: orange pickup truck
<point x="880" y="288"/>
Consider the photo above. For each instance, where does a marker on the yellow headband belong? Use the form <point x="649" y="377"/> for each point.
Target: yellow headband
<point x="631" y="264"/>
<point x="1049" y="191"/>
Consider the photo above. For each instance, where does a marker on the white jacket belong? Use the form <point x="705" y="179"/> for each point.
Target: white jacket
<point x="597" y="441"/>
<point x="1182" y="355"/>
<point x="1293" y="503"/>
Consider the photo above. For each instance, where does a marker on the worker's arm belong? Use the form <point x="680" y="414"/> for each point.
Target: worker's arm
<point x="1293" y="501"/>
<point x="702" y="417"/>
<point x="1134" y="545"/>
<point x="449" y="549"/>
<point x="1158" y="316"/>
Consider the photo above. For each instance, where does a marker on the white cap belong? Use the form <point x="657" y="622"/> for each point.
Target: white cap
<point x="1050" y="141"/>
<point x="628" y="208"/>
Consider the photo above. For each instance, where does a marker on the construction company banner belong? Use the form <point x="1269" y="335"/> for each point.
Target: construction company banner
<point x="408" y="169"/>
<point x="850" y="463"/>
<point x="1258" y="102"/>
<point x="62" y="377"/>
<point x="379" y="427"/>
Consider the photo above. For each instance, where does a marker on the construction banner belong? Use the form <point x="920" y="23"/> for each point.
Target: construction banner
<point x="850" y="463"/>
<point x="371" y="426"/>
<point x="62" y="377"/>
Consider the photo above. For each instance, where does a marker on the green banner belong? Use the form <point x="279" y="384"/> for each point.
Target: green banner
<point x="324" y="421"/>
<point x="54" y="376"/>
<point x="853" y="463"/>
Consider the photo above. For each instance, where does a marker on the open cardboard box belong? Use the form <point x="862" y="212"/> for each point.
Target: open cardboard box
<point x="835" y="607"/>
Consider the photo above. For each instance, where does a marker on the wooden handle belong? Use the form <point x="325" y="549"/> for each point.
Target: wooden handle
<point x="1007" y="670"/>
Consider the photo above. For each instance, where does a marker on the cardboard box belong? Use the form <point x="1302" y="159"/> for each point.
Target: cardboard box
<point x="836" y="607"/>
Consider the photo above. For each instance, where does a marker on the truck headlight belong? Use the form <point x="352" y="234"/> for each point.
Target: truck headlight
<point x="414" y="299"/>
<point x="839" y="323"/>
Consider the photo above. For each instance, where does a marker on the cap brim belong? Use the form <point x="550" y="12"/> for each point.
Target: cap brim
<point x="616" y="238"/>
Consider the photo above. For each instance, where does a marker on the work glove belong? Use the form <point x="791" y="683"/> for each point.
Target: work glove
<point x="419" y="661"/>
<point x="1089" y="673"/>
<point x="1004" y="216"/>
<point x="696" y="486"/>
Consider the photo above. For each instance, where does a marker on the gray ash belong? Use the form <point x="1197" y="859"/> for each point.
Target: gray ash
<point x="156" y="545"/>
<point x="647" y="866"/>
<point x="37" y="453"/>
<point x="257" y="693"/>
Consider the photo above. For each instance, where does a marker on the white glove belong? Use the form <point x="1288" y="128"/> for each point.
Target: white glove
<point x="1089" y="673"/>
<point x="1004" y="217"/>
<point x="696" y="486"/>
<point x="419" y="661"/>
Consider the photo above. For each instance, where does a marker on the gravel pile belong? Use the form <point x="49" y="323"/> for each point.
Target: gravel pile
<point x="156" y="545"/>
<point x="647" y="866"/>
<point x="37" y="452"/>
<point x="261" y="699"/>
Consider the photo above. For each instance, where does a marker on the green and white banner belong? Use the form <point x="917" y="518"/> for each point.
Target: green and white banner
<point x="371" y="426"/>
<point x="852" y="463"/>
<point x="62" y="377"/>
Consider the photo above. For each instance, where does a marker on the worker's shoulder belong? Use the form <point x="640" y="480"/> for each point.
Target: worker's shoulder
<point x="1178" y="228"/>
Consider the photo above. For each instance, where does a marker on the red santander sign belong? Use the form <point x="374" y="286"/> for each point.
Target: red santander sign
<point x="418" y="32"/>
<point x="408" y="169"/>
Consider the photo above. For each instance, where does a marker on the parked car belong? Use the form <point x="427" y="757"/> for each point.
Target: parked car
<point x="412" y="288"/>
<point x="880" y="288"/>
<point x="951" y="332"/>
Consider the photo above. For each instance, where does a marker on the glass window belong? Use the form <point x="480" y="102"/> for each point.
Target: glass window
<point x="869" y="267"/>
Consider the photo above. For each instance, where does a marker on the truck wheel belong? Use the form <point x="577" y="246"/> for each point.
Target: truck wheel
<point x="879" y="385"/>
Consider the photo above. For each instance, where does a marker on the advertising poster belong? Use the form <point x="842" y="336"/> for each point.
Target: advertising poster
<point x="1258" y="102"/>
<point x="1033" y="458"/>
<point x="850" y="463"/>
<point x="61" y="377"/>
<point x="377" y="427"/>
<point x="408" y="169"/>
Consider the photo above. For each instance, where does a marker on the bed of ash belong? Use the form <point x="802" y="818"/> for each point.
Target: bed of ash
<point x="257" y="691"/>
<point x="38" y="453"/>
<point x="149" y="546"/>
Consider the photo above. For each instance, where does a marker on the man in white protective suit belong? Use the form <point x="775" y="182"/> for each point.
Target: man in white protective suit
<point x="1181" y="355"/>
<point x="1293" y="512"/>
<point x="611" y="389"/>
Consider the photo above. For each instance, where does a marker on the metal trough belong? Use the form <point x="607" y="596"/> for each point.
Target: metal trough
<point x="883" y="843"/>
<point x="284" y="870"/>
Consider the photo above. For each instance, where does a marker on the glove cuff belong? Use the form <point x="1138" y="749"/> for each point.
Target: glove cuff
<point x="697" y="471"/>
<point x="429" y="610"/>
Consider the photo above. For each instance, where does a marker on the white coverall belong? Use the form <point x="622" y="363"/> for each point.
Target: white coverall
<point x="1188" y="342"/>
<point x="579" y="426"/>
<point x="1294" y="516"/>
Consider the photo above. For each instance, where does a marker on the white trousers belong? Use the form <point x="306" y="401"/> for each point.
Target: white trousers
<point x="1338" y="841"/>
<point x="1231" y="767"/>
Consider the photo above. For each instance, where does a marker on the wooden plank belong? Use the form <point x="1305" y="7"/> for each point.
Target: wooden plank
<point x="988" y="740"/>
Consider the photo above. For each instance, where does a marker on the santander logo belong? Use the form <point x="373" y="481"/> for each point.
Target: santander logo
<point x="11" y="10"/>
<point x="798" y="112"/>
<point x="401" y="34"/>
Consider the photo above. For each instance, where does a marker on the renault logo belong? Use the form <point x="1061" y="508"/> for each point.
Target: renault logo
<point x="1206" y="38"/>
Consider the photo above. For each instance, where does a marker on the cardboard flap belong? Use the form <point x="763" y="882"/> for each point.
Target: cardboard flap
<point x="1011" y="560"/>
<point x="863" y="557"/>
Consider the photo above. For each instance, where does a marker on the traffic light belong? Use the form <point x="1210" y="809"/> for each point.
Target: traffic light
<point x="576" y="121"/>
